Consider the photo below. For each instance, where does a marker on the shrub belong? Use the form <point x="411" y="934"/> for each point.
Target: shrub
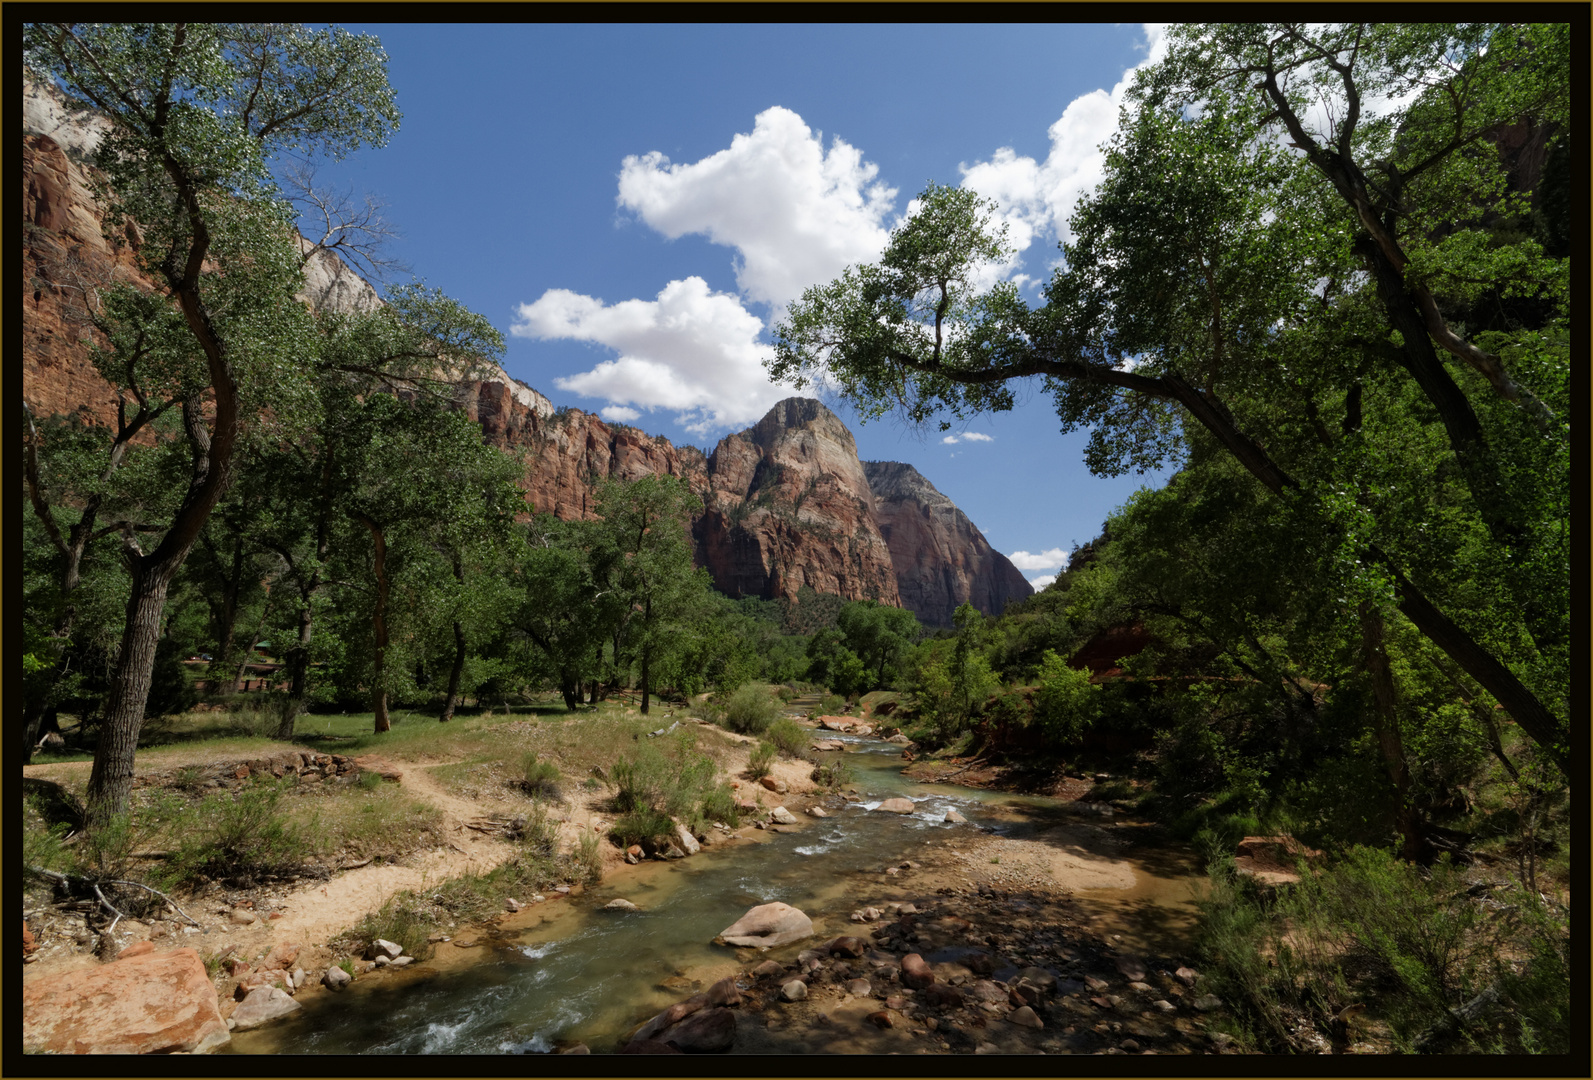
<point x="751" y="709"/>
<point x="540" y="779"/>
<point x="1413" y="946"/>
<point x="404" y="919"/>
<point x="678" y="786"/>
<point x="720" y="805"/>
<point x="646" y="826"/>
<point x="829" y="705"/>
<point x="762" y="760"/>
<point x="239" y="834"/>
<point x="832" y="774"/>
<point x="587" y="859"/>
<point x="789" y="736"/>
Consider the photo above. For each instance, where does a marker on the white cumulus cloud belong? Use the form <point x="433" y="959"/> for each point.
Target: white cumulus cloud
<point x="1036" y="197"/>
<point x="1044" y="560"/>
<point x="622" y="414"/>
<point x="690" y="350"/>
<point x="968" y="436"/>
<point x="1042" y="581"/>
<point x="795" y="213"/>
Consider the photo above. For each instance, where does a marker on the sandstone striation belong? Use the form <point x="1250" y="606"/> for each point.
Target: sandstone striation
<point x="942" y="560"/>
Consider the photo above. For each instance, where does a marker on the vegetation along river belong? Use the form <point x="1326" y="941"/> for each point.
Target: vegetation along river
<point x="570" y="973"/>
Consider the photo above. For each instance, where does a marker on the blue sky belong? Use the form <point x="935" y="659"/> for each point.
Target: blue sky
<point x="633" y="206"/>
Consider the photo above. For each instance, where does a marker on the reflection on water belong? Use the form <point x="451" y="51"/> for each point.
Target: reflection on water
<point x="581" y="974"/>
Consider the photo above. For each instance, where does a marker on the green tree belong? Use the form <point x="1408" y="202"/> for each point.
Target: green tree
<point x="196" y="111"/>
<point x="563" y="610"/>
<point x="647" y="559"/>
<point x="421" y="483"/>
<point x="879" y="635"/>
<point x="1218" y="284"/>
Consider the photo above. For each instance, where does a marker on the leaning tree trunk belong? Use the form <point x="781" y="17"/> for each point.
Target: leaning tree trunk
<point x="111" y="779"/>
<point x="455" y="673"/>
<point x="298" y="670"/>
<point x="1385" y="713"/>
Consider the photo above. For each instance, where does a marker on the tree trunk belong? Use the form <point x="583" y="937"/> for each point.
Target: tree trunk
<point x="111" y="779"/>
<point x="459" y="654"/>
<point x="1385" y="713"/>
<point x="570" y="688"/>
<point x="227" y="617"/>
<point x="455" y="672"/>
<point x="298" y="668"/>
<point x="379" y="626"/>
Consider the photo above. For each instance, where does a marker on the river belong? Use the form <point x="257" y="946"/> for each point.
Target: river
<point x="567" y="971"/>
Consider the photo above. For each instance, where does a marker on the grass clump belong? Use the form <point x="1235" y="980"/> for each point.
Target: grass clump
<point x="666" y="780"/>
<point x="405" y="919"/>
<point x="834" y="773"/>
<point x="762" y="761"/>
<point x="751" y="709"/>
<point x="241" y="834"/>
<point x="540" y="779"/>
<point x="789" y="736"/>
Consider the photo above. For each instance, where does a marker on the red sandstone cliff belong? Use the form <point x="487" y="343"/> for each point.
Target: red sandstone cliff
<point x="942" y="560"/>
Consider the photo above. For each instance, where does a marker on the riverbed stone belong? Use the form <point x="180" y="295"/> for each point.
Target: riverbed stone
<point x="845" y="946"/>
<point x="954" y="818"/>
<point x="776" y="786"/>
<point x="795" y="990"/>
<point x="382" y="947"/>
<point x="262" y="1006"/>
<point x="1186" y="975"/>
<point x="768" y="926"/>
<point x="783" y="816"/>
<point x="881" y="1019"/>
<point x="725" y="992"/>
<point x="828" y="745"/>
<point x="157" y="1002"/>
<point x="336" y="979"/>
<point x="1025" y="1017"/>
<point x="708" y="1031"/>
<point x="859" y="988"/>
<point x="688" y="843"/>
<point x="817" y="811"/>
<point x="242" y="917"/>
<point x="916" y="973"/>
<point x="896" y="806"/>
<point x="769" y="969"/>
<point x="620" y="905"/>
<point x="669" y="1018"/>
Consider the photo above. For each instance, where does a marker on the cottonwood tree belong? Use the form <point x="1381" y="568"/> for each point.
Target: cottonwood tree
<point x="1223" y="280"/>
<point x="418" y="481"/>
<point x="646" y="556"/>
<point x="196" y="111"/>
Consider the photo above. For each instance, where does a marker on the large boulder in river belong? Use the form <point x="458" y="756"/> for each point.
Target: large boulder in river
<point x="145" y="1003"/>
<point x="767" y="926"/>
<point x="263" y="1005"/>
<point x="896" y="806"/>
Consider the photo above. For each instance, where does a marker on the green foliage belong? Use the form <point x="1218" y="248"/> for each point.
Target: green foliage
<point x="789" y="736"/>
<point x="673" y="780"/>
<point x="761" y="762"/>
<point x="1412" y="946"/>
<point x="241" y="833"/>
<point x="646" y="826"/>
<point x="401" y="921"/>
<point x="751" y="709"/>
<point x="1067" y="703"/>
<point x="832" y="773"/>
<point x="540" y="779"/>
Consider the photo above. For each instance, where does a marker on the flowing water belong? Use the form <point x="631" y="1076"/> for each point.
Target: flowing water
<point x="567" y="971"/>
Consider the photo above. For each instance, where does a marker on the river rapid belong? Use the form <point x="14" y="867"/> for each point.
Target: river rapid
<point x="566" y="971"/>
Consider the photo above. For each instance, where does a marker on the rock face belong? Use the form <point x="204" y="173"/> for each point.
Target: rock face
<point x="941" y="560"/>
<point x="146" y="1003"/>
<point x="789" y="505"/>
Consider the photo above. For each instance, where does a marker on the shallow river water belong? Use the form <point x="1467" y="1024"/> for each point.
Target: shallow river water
<point x="566" y="971"/>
